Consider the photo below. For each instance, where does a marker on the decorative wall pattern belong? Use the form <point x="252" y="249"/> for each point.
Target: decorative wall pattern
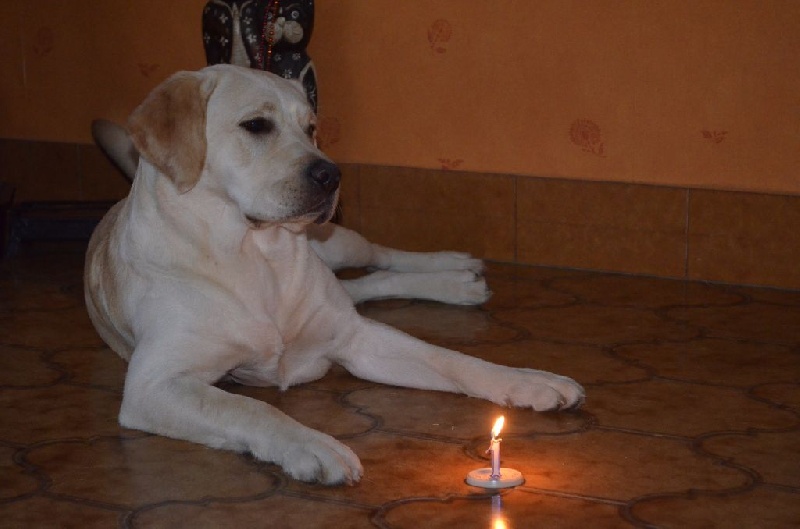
<point x="439" y="35"/>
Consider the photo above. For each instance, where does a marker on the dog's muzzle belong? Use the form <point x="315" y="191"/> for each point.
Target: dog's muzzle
<point x="325" y="174"/>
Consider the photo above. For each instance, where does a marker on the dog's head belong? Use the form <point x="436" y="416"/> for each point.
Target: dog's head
<point x="246" y="135"/>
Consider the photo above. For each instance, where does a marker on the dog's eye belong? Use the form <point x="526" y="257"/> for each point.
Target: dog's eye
<point x="311" y="131"/>
<point x="258" y="125"/>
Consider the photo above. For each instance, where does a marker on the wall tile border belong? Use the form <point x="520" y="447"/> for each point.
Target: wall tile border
<point x="707" y="235"/>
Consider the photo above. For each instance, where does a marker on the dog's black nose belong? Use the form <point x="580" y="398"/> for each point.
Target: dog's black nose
<point x="326" y="174"/>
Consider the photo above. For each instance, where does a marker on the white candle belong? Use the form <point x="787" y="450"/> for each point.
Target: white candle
<point x="495" y="477"/>
<point x="494" y="447"/>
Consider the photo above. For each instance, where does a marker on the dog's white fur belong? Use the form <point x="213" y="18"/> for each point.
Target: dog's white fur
<point x="206" y="271"/>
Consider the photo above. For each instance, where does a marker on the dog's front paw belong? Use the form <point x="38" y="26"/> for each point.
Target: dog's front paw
<point x="310" y="455"/>
<point x="456" y="261"/>
<point x="543" y="391"/>
<point x="461" y="288"/>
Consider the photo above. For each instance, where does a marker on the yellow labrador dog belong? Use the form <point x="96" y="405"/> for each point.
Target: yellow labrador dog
<point x="206" y="272"/>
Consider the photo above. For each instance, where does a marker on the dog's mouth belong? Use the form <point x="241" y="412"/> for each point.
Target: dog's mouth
<point x="319" y="214"/>
<point x="253" y="222"/>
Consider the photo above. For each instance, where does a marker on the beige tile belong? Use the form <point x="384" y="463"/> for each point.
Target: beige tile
<point x="67" y="328"/>
<point x="754" y="508"/>
<point x="275" y="510"/>
<point x="23" y="367"/>
<point x="427" y="210"/>
<point x="643" y="292"/>
<point x="14" y="480"/>
<point x="676" y="408"/>
<point x="36" y="294"/>
<point x="48" y="513"/>
<point x="588" y="364"/>
<point x="716" y="361"/>
<point x="318" y="409"/>
<point x="58" y="412"/>
<point x="744" y="238"/>
<point x="147" y="470"/>
<point x="441" y="323"/>
<point x="690" y="417"/>
<point x="783" y="394"/>
<point x="450" y="416"/>
<point x="515" y="508"/>
<point x="399" y="466"/>
<point x="594" y="325"/>
<point x="514" y="291"/>
<point x="611" y="465"/>
<point x="754" y="321"/>
<point x="96" y="367"/>
<point x="601" y="226"/>
<point x="775" y="456"/>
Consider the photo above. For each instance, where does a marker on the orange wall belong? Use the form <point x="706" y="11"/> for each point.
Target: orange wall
<point x="697" y="93"/>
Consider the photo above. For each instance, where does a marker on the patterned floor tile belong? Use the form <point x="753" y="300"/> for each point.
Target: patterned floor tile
<point x="273" y="511"/>
<point x="758" y="322"/>
<point x="587" y="363"/>
<point x="775" y="456"/>
<point x="677" y="408"/>
<point x="46" y="513"/>
<point x="716" y="361"/>
<point x="455" y="417"/>
<point x="518" y="508"/>
<point x="626" y="291"/>
<point x="596" y="325"/>
<point x="57" y="412"/>
<point x="24" y="367"/>
<point x="692" y="417"/>
<point x="612" y="465"/>
<point x="132" y="472"/>
<point x="760" y="508"/>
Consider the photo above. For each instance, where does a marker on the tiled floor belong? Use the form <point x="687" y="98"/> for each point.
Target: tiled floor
<point x="691" y="418"/>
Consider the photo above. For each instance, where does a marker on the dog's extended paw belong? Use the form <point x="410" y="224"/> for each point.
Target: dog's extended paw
<point x="455" y="261"/>
<point x="310" y="455"/>
<point x="461" y="287"/>
<point x="542" y="391"/>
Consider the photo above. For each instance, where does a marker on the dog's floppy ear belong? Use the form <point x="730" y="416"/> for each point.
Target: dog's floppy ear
<point x="169" y="127"/>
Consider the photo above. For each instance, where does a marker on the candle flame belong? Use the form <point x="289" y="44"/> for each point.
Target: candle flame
<point x="498" y="425"/>
<point x="499" y="523"/>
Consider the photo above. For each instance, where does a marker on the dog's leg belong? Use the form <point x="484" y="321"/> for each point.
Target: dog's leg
<point x="341" y="248"/>
<point x="383" y="354"/>
<point x="457" y="287"/>
<point x="449" y="277"/>
<point x="186" y="406"/>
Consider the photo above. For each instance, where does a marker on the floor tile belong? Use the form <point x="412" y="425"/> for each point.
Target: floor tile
<point x="757" y="508"/>
<point x="128" y="472"/>
<point x="716" y="361"/>
<point x="46" y="513"/>
<point x="613" y="465"/>
<point x="678" y="408"/>
<point x="519" y="508"/>
<point x="275" y="510"/>
<point x="690" y="419"/>
<point x="774" y="455"/>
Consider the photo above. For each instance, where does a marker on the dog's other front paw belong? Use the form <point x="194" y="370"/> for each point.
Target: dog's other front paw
<point x="310" y="455"/>
<point x="542" y="391"/>
<point x="461" y="288"/>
